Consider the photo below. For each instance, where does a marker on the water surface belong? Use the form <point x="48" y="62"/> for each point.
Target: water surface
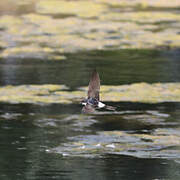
<point x="48" y="49"/>
<point x="55" y="141"/>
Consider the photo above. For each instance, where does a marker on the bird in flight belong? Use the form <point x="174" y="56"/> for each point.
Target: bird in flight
<point x="93" y="100"/>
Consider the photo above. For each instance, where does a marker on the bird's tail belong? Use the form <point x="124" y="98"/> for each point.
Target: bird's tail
<point x="111" y="108"/>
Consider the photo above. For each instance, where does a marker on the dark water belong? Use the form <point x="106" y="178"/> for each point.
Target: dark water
<point x="29" y="132"/>
<point x="114" y="67"/>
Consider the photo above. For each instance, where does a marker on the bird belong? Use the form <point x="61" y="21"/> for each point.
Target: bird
<point x="92" y="102"/>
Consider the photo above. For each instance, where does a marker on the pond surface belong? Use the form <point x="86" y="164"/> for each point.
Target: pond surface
<point x="115" y="68"/>
<point x="48" y="49"/>
<point x="55" y="141"/>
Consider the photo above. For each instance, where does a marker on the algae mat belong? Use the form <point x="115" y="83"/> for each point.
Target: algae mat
<point x="46" y="94"/>
<point x="142" y="134"/>
<point x="161" y="144"/>
<point x="47" y="29"/>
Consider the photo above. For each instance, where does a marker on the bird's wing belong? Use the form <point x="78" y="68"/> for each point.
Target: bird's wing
<point x="94" y="86"/>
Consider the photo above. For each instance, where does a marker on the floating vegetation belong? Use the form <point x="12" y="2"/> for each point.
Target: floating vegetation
<point x="162" y="143"/>
<point x="85" y="9"/>
<point x="32" y="94"/>
<point x="31" y="52"/>
<point x="54" y="27"/>
<point x="140" y="92"/>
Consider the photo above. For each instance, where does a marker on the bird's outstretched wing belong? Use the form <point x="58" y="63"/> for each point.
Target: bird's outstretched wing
<point x="94" y="86"/>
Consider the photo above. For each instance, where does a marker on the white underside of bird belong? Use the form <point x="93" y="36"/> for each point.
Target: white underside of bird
<point x="100" y="104"/>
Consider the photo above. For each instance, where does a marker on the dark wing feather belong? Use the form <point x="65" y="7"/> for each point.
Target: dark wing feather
<point x="94" y="86"/>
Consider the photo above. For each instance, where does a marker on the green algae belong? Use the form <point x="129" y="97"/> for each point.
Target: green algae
<point x="86" y="9"/>
<point x="140" y="92"/>
<point x="118" y="142"/>
<point x="87" y="25"/>
<point x="141" y="3"/>
<point x="32" y="94"/>
<point x="31" y="51"/>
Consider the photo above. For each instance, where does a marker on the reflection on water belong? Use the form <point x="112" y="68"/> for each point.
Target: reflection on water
<point x="56" y="141"/>
<point x="114" y="67"/>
